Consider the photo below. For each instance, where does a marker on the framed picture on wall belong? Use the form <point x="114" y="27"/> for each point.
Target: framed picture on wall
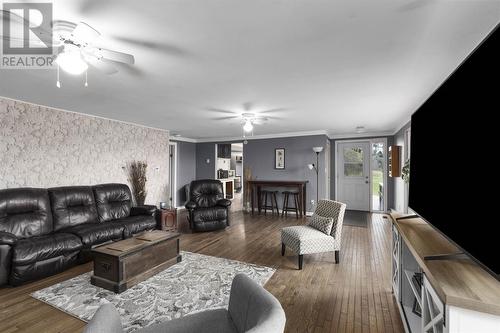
<point x="279" y="158"/>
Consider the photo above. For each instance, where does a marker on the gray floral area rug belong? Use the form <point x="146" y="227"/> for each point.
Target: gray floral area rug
<point x="196" y="284"/>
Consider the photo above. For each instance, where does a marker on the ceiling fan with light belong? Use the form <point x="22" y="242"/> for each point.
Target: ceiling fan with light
<point x="247" y="118"/>
<point x="75" y="47"/>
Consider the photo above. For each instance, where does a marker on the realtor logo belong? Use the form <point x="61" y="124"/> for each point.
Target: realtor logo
<point x="26" y="35"/>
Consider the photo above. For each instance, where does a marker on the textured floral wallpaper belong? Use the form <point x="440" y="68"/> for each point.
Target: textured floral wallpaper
<point x="44" y="147"/>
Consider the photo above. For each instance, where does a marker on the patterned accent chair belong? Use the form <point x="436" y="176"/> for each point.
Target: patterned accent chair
<point x="308" y="239"/>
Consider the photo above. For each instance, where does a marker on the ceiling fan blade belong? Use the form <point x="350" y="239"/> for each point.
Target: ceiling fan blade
<point x="17" y="23"/>
<point x="226" y="118"/>
<point x="33" y="42"/>
<point x="130" y="69"/>
<point x="6" y="15"/>
<point x="102" y="65"/>
<point x="273" y="110"/>
<point x="117" y="56"/>
<point x="223" y="111"/>
<point x="84" y="32"/>
<point x="156" y="46"/>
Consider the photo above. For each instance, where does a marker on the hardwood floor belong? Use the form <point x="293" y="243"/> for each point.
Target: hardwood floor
<point x="353" y="296"/>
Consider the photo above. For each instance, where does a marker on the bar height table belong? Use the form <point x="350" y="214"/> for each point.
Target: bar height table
<point x="256" y="185"/>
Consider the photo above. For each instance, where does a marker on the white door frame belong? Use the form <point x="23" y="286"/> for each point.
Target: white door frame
<point x="371" y="141"/>
<point x="173" y="182"/>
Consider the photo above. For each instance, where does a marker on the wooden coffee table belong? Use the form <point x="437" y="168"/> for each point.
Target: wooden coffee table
<point x="123" y="264"/>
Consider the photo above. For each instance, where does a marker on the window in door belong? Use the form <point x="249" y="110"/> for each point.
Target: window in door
<point x="353" y="162"/>
<point x="377" y="173"/>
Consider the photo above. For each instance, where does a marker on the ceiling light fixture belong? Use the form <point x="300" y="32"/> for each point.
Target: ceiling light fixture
<point x="360" y="129"/>
<point x="71" y="61"/>
<point x="248" y="127"/>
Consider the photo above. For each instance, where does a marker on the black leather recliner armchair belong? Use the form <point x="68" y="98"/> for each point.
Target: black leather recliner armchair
<point x="208" y="209"/>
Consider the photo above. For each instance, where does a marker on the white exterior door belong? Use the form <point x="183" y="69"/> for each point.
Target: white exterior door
<point x="353" y="174"/>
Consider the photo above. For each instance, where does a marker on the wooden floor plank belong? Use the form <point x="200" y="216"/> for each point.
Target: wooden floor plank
<point x="353" y="296"/>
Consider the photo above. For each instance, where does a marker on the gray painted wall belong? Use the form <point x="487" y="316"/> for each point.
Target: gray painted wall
<point x="399" y="187"/>
<point x="186" y="169"/>
<point x="258" y="155"/>
<point x="205" y="151"/>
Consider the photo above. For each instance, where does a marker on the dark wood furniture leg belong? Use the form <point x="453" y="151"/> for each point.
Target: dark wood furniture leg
<point x="265" y="204"/>
<point x="283" y="247"/>
<point x="304" y="198"/>
<point x="276" y="203"/>
<point x="337" y="257"/>
<point x="259" y="204"/>
<point x="297" y="206"/>
<point x="301" y="260"/>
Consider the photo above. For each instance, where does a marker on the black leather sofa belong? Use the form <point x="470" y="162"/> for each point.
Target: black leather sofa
<point x="45" y="231"/>
<point x="207" y="207"/>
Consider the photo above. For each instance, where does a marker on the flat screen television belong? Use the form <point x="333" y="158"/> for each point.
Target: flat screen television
<point x="454" y="173"/>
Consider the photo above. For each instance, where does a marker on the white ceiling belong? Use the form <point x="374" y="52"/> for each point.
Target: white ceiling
<point x="325" y="65"/>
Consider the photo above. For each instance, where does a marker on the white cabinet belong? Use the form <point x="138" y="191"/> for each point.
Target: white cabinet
<point x="421" y="308"/>
<point x="396" y="254"/>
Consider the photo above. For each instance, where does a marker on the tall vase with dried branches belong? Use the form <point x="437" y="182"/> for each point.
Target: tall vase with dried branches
<point x="137" y="178"/>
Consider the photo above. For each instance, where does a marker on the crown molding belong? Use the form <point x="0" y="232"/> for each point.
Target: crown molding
<point x="361" y="135"/>
<point x="401" y="125"/>
<point x="260" y="137"/>
<point x="182" y="139"/>
<point x="290" y="135"/>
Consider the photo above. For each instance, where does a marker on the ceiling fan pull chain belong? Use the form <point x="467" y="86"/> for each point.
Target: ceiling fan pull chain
<point x="58" y="83"/>
<point x="86" y="82"/>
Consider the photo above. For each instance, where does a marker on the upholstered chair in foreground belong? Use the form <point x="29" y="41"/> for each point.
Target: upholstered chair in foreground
<point x="251" y="309"/>
<point x="323" y="233"/>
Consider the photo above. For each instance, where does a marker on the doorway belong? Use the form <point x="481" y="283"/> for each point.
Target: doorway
<point x="172" y="174"/>
<point x="229" y="170"/>
<point x="360" y="174"/>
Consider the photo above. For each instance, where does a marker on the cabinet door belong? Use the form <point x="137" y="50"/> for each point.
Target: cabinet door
<point x="227" y="151"/>
<point x="396" y="269"/>
<point x="432" y="310"/>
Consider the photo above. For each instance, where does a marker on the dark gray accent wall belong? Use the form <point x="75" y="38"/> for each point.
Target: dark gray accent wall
<point x="258" y="155"/>
<point x="205" y="151"/>
<point x="186" y="169"/>
<point x="399" y="187"/>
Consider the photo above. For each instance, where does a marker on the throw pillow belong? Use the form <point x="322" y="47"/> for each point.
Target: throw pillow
<point x="323" y="224"/>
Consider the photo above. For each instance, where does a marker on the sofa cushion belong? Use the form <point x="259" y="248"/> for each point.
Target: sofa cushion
<point x="44" y="247"/>
<point x="72" y="205"/>
<point x="25" y="212"/>
<point x="135" y="224"/>
<point x="96" y="233"/>
<point x="209" y="214"/>
<point x="113" y="201"/>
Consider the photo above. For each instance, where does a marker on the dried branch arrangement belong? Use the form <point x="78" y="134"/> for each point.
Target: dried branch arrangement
<point x="137" y="178"/>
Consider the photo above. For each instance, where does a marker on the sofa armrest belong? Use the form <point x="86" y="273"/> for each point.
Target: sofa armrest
<point x="190" y="205"/>
<point x="223" y="202"/>
<point x="6" y="238"/>
<point x="143" y="210"/>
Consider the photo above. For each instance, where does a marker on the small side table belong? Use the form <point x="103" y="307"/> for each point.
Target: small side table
<point x="168" y="219"/>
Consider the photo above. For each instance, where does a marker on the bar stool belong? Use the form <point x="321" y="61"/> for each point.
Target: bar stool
<point x="264" y="194"/>
<point x="286" y="208"/>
